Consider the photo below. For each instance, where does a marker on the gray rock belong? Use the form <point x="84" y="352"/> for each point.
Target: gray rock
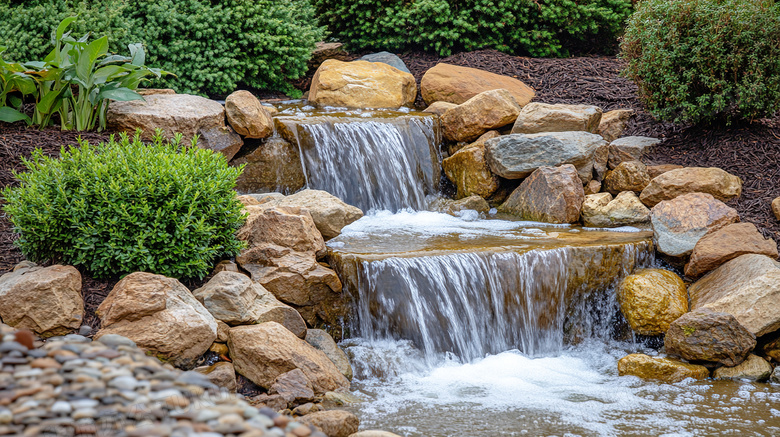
<point x="274" y="165"/>
<point x="323" y="341"/>
<point x="516" y="156"/>
<point x="629" y="149"/>
<point x="116" y="340"/>
<point x="386" y="58"/>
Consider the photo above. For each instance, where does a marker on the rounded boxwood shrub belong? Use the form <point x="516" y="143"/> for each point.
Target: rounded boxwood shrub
<point x="705" y="60"/>
<point x="126" y="206"/>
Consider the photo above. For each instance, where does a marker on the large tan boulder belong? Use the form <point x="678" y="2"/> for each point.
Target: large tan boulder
<point x="627" y="176"/>
<point x="485" y="111"/>
<point x="706" y="335"/>
<point x="274" y="165"/>
<point x="265" y="351"/>
<point x="516" y="156"/>
<point x="727" y="243"/>
<point x="183" y="113"/>
<point x="550" y="194"/>
<point x="651" y="299"/>
<point x="543" y="117"/>
<point x="754" y="368"/>
<point x="47" y="301"/>
<point x="439" y="108"/>
<point x="247" y="115"/>
<point x="454" y="84"/>
<point x="160" y="315"/>
<point x="600" y="210"/>
<point x="667" y="370"/>
<point x="334" y="423"/>
<point x="322" y="341"/>
<point x="747" y="287"/>
<point x="330" y="214"/>
<point x="678" y="224"/>
<point x="286" y="226"/>
<point x="233" y="298"/>
<point x="361" y="84"/>
<point x="719" y="183"/>
<point x="469" y="171"/>
<point x="614" y="123"/>
<point x="629" y="149"/>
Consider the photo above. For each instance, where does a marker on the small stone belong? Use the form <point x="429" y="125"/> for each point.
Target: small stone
<point x="116" y="340"/>
<point x="84" y="413"/>
<point x="301" y="431"/>
<point x="754" y="368"/>
<point x="123" y="383"/>
<point x="61" y="407"/>
<point x="6" y="416"/>
<point x="45" y="363"/>
<point x="85" y="330"/>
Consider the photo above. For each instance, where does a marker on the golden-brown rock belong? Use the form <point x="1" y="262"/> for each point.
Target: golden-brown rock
<point x="46" y="301"/>
<point x="542" y="117"/>
<point x="550" y="194"/>
<point x="439" y="108"/>
<point x="627" y="176"/>
<point x="613" y="123"/>
<point x="485" y="111"/>
<point x="330" y="214"/>
<point x="651" y="299"/>
<point x="361" y="84"/>
<point x="717" y="182"/>
<point x="455" y="84"/>
<point x="265" y="351"/>
<point x="667" y="370"/>
<point x="600" y="210"/>
<point x="727" y="243"/>
<point x="754" y="368"/>
<point x="334" y="423"/>
<point x="247" y="116"/>
<point x="469" y="171"/>
<point x="285" y="226"/>
<point x="657" y="170"/>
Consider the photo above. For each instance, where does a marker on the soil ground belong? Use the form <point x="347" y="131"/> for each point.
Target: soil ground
<point x="750" y="151"/>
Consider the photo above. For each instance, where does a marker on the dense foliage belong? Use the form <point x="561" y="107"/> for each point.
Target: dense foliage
<point x="126" y="206"/>
<point x="705" y="60"/>
<point x="537" y="27"/>
<point x="212" y="46"/>
<point x="75" y="80"/>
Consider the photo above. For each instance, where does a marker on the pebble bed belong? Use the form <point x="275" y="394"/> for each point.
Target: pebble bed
<point x="73" y="386"/>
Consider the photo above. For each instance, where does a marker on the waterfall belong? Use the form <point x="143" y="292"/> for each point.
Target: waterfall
<point x="473" y="304"/>
<point x="373" y="163"/>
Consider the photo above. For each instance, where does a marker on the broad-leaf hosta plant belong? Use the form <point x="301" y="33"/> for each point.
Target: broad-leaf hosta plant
<point x="76" y="80"/>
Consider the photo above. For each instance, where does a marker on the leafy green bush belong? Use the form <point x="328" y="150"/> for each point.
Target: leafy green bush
<point x="212" y="46"/>
<point x="704" y="60"/>
<point x="126" y="206"/>
<point x="538" y="27"/>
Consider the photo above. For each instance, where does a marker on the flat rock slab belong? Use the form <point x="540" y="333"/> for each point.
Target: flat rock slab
<point x="715" y="181"/>
<point x="542" y="117"/>
<point x="667" y="370"/>
<point x="182" y="113"/>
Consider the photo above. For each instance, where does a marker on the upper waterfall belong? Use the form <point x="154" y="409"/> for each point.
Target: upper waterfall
<point x="374" y="160"/>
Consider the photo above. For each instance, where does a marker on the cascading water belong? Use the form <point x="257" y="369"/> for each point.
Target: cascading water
<point x="374" y="163"/>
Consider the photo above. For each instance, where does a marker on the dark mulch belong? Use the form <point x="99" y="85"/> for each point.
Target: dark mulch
<point x="750" y="151"/>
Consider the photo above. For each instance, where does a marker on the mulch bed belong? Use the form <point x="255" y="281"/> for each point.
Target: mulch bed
<point x="751" y="151"/>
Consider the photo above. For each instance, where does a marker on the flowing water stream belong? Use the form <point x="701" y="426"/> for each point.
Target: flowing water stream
<point x="488" y="326"/>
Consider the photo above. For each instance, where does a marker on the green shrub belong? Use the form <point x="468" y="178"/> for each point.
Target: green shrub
<point x="705" y="60"/>
<point x="538" y="27"/>
<point x="212" y="46"/>
<point x="126" y="206"/>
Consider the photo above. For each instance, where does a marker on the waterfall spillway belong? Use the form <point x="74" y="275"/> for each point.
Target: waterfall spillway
<point x="523" y="288"/>
<point x="372" y="163"/>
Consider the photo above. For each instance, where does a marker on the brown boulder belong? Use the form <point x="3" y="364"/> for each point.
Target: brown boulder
<point x="485" y="111"/>
<point x="727" y="243"/>
<point x="705" y="335"/>
<point x="160" y="315"/>
<point x="439" y="108"/>
<point x="274" y="165"/>
<point x="265" y="351"/>
<point x="361" y="84"/>
<point x="678" y="224"/>
<point x="550" y="194"/>
<point x="247" y="116"/>
<point x="657" y="170"/>
<point x="330" y="214"/>
<point x="469" y="171"/>
<point x="47" y="301"/>
<point x="222" y="140"/>
<point x="285" y="226"/>
<point x="719" y="183"/>
<point x="454" y="84"/>
<point x="234" y="299"/>
<point x="293" y="386"/>
<point x="542" y="117"/>
<point x="627" y="176"/>
<point x="754" y="368"/>
<point x="613" y="123"/>
<point x="172" y="113"/>
<point x="334" y="423"/>
<point x="747" y="287"/>
<point x="667" y="370"/>
<point x="651" y="299"/>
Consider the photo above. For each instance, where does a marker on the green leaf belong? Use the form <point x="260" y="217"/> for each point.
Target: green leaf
<point x="61" y="28"/>
<point x="10" y="115"/>
<point x="137" y="53"/>
<point x="120" y="94"/>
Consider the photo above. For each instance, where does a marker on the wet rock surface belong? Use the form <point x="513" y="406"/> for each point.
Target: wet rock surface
<point x="550" y="194"/>
<point x="706" y="335"/>
<point x="662" y="369"/>
<point x="652" y="299"/>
